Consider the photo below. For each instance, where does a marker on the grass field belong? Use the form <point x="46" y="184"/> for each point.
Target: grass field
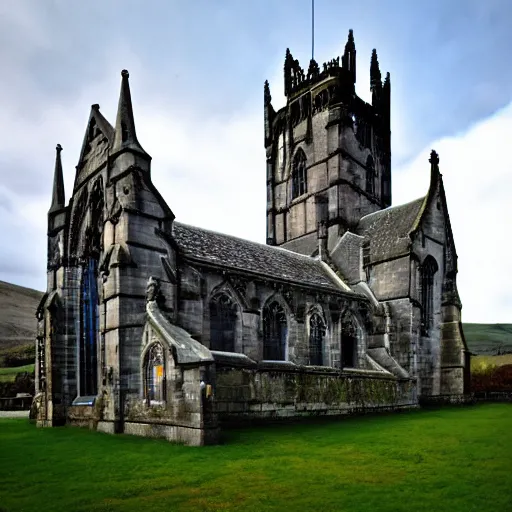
<point x="9" y="374"/>
<point x="454" y="459"/>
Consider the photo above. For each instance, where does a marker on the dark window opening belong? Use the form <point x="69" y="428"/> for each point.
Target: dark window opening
<point x="274" y="332"/>
<point x="90" y="327"/>
<point x="154" y="375"/>
<point x="299" y="175"/>
<point x="370" y="175"/>
<point x="348" y="343"/>
<point x="223" y="320"/>
<point x="316" y="340"/>
<point x="428" y="270"/>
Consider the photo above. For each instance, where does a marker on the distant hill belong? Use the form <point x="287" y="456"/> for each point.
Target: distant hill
<point x="17" y="317"/>
<point x="18" y="325"/>
<point x="489" y="339"/>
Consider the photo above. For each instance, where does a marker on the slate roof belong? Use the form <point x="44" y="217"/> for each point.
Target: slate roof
<point x="388" y="230"/>
<point x="244" y="255"/>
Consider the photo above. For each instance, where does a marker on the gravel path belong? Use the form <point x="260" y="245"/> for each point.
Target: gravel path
<point x="14" y="414"/>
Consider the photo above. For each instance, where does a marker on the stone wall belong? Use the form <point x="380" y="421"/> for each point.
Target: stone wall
<point x="273" y="391"/>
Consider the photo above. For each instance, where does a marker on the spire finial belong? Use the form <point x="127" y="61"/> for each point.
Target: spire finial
<point x="58" y="195"/>
<point x="434" y="160"/>
<point x="125" y="135"/>
<point x="375" y="76"/>
<point x="348" y="60"/>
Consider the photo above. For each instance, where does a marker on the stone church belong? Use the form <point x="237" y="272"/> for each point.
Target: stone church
<point x="157" y="328"/>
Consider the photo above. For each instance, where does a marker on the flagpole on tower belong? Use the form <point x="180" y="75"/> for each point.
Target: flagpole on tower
<point x="312" y="29"/>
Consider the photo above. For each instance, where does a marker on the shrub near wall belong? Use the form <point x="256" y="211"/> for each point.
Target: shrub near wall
<point x="23" y="383"/>
<point x="491" y="378"/>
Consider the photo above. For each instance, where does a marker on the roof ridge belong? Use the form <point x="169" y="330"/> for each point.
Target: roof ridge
<point x="394" y="208"/>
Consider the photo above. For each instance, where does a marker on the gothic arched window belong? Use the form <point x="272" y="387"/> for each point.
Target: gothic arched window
<point x="348" y="342"/>
<point x="299" y="174"/>
<point x="223" y="320"/>
<point x="428" y="269"/>
<point x="274" y="332"/>
<point x="154" y="374"/>
<point x="88" y="356"/>
<point x="370" y="175"/>
<point x="316" y="339"/>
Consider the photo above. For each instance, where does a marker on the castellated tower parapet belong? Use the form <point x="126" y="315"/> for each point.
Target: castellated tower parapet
<point x="326" y="142"/>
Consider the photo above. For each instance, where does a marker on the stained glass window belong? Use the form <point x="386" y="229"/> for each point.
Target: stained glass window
<point x="89" y="336"/>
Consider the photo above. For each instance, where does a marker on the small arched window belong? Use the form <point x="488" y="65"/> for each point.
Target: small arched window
<point x="316" y="339"/>
<point x="274" y="332"/>
<point x="154" y="375"/>
<point x="428" y="269"/>
<point x="223" y="320"/>
<point x="370" y="175"/>
<point x="348" y="342"/>
<point x="299" y="174"/>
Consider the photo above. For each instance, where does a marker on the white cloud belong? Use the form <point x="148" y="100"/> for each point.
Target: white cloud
<point x="478" y="179"/>
<point x="211" y="172"/>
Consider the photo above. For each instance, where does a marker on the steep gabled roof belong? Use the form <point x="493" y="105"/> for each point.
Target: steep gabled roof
<point x="246" y="256"/>
<point x="388" y="231"/>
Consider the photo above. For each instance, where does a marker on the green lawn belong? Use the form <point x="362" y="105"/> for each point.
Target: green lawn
<point x="9" y="374"/>
<point x="453" y="459"/>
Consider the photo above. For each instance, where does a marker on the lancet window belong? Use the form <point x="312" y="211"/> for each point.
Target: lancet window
<point x="348" y="342"/>
<point x="299" y="174"/>
<point x="88" y="354"/>
<point x="154" y="375"/>
<point x="223" y="323"/>
<point x="428" y="269"/>
<point x="370" y="175"/>
<point x="316" y="339"/>
<point x="274" y="332"/>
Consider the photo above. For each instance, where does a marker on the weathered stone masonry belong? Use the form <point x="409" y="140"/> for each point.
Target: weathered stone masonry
<point x="156" y="328"/>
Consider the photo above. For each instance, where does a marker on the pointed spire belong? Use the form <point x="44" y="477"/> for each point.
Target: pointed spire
<point x="125" y="136"/>
<point x="58" y="196"/>
<point x="350" y="46"/>
<point x="387" y="80"/>
<point x="348" y="61"/>
<point x="288" y="62"/>
<point x="313" y="70"/>
<point x="266" y="93"/>
<point x="375" y="76"/>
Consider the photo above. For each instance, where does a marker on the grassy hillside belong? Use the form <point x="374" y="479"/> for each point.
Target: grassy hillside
<point x="18" y="326"/>
<point x="17" y="318"/>
<point x="489" y="339"/>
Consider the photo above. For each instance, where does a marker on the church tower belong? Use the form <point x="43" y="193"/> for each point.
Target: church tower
<point x="328" y="152"/>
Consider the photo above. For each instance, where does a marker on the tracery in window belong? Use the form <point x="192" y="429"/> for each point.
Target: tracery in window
<point x="299" y="174"/>
<point x="274" y="332"/>
<point x="428" y="269"/>
<point x="154" y="375"/>
<point x="370" y="175"/>
<point x="316" y="339"/>
<point x="348" y="342"/>
<point x="223" y="321"/>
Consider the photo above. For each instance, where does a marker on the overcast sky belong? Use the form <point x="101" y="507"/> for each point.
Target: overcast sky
<point x="197" y="69"/>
